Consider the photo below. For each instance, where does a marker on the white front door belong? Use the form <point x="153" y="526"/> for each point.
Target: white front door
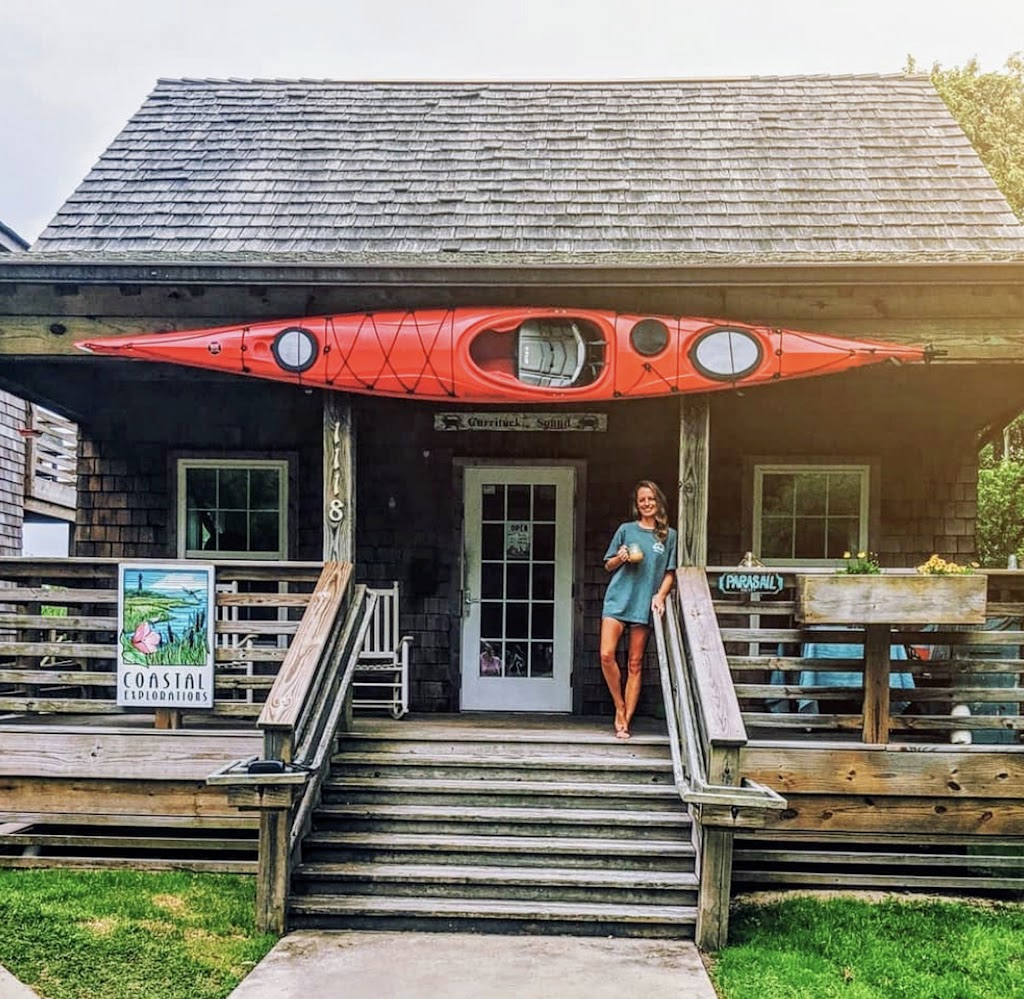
<point x="517" y="610"/>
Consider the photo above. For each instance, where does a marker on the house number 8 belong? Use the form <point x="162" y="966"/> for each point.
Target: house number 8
<point x="336" y="511"/>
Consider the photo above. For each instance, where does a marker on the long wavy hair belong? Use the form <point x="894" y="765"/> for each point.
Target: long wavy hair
<point x="660" y="515"/>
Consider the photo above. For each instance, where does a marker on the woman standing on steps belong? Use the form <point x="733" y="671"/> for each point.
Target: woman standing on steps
<point x="642" y="559"/>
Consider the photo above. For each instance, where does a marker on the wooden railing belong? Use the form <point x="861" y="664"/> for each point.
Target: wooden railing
<point x="310" y="702"/>
<point x="59" y="634"/>
<point x="706" y="733"/>
<point x="51" y="461"/>
<point x="959" y="683"/>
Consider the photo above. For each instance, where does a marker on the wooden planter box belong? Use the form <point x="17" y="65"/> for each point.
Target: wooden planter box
<point x="909" y="599"/>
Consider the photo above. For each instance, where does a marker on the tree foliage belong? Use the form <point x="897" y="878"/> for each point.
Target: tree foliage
<point x="1000" y="528"/>
<point x="990" y="110"/>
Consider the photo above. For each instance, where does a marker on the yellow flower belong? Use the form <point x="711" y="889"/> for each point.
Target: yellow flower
<point x="847" y="555"/>
<point x="862" y="554"/>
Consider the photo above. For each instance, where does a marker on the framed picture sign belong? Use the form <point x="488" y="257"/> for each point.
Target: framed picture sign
<point x="165" y="618"/>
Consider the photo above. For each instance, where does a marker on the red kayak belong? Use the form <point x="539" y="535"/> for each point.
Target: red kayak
<point x="508" y="354"/>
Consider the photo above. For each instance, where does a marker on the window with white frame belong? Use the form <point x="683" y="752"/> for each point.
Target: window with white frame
<point x="810" y="513"/>
<point x="232" y="508"/>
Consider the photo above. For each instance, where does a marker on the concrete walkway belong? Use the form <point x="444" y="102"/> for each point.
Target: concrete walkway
<point x="11" y="988"/>
<point x="312" y="964"/>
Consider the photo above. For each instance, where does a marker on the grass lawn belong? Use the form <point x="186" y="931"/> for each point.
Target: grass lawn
<point x="898" y="948"/>
<point x="128" y="934"/>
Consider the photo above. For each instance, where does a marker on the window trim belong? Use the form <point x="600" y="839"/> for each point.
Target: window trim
<point x="282" y="465"/>
<point x="869" y="471"/>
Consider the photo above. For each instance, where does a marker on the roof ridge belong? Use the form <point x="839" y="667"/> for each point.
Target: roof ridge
<point x="595" y="82"/>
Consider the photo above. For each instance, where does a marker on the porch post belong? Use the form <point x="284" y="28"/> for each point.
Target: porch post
<point x="877" y="648"/>
<point x="339" y="479"/>
<point x="694" y="454"/>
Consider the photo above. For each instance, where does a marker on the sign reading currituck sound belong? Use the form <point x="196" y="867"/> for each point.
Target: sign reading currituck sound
<point x="592" y="422"/>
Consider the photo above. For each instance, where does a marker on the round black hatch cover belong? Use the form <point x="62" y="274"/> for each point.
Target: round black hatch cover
<point x="649" y="337"/>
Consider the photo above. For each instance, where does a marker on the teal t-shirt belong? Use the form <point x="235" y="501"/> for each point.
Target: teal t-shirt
<point x="628" y="597"/>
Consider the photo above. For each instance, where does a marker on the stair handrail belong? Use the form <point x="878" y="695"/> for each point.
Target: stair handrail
<point x="692" y="738"/>
<point x="286" y="714"/>
<point x="300" y="721"/>
<point x="706" y="733"/>
<point x="335" y="703"/>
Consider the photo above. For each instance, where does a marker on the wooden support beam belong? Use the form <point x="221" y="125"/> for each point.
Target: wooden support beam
<point x="716" y="859"/>
<point x="339" y="464"/>
<point x="274" y="871"/>
<point x="877" y="639"/>
<point x="715" y="887"/>
<point x="694" y="430"/>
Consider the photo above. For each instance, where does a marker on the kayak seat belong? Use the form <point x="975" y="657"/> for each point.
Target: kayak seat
<point x="551" y="353"/>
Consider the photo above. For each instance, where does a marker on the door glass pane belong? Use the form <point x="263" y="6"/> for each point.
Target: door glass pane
<point x="490" y="621"/>
<point x="518" y="502"/>
<point x="543" y="621"/>
<point x="544" y="582"/>
<point x="543" y="502"/>
<point x="517" y="581"/>
<point x="517" y="540"/>
<point x="493" y="502"/>
<point x="490" y="581"/>
<point x="490" y="659"/>
<point x="516" y="662"/>
<point x="544" y="542"/>
<point x="517" y="620"/>
<point x="542" y="659"/>
<point x="492" y="548"/>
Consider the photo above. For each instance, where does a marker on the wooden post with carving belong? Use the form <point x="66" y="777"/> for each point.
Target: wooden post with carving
<point x="694" y="431"/>
<point x="339" y="479"/>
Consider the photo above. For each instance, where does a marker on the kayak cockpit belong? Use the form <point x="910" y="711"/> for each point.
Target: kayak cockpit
<point x="545" y="353"/>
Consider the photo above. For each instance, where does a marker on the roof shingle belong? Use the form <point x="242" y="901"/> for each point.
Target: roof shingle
<point x="799" y="166"/>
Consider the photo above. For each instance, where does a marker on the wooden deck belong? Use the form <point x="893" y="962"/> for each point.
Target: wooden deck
<point x="935" y="802"/>
<point x="934" y="799"/>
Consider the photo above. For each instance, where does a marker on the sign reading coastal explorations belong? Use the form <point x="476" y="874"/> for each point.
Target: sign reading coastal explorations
<point x="747" y="581"/>
<point x="593" y="422"/>
<point x="165" y="635"/>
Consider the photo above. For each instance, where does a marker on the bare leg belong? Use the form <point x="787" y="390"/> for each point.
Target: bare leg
<point x="611" y="632"/>
<point x="638" y="635"/>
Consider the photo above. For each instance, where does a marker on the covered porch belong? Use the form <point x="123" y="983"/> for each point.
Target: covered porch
<point x="863" y="790"/>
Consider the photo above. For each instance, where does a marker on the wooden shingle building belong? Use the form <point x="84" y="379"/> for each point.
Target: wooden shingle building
<point x="852" y="206"/>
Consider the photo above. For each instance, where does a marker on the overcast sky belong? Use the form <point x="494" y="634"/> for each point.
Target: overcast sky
<point x="73" y="71"/>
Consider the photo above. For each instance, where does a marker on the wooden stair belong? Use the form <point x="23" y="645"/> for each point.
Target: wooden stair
<point x="497" y="828"/>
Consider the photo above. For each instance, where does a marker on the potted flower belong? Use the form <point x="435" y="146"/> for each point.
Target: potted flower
<point x="938" y="592"/>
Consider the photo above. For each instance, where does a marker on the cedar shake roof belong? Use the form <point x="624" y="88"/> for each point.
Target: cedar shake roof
<point x="10" y="241"/>
<point x="795" y="168"/>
